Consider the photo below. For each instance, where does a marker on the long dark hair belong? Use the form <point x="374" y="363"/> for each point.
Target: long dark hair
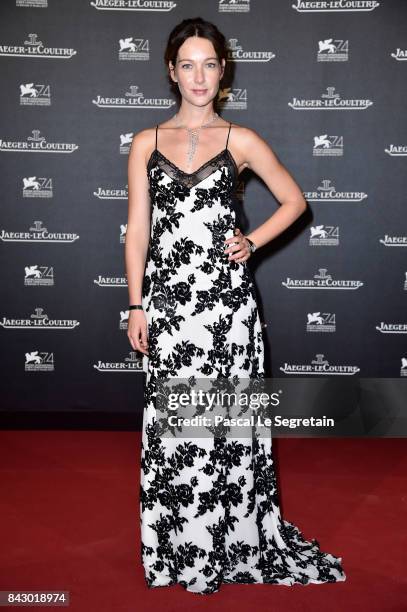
<point x="195" y="26"/>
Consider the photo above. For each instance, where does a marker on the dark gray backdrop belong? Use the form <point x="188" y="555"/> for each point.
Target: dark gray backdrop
<point x="325" y="88"/>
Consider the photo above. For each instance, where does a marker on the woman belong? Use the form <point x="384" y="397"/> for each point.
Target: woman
<point x="209" y="507"/>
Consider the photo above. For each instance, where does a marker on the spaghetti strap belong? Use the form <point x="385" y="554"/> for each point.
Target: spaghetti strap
<point x="156" y="128"/>
<point x="230" y="125"/>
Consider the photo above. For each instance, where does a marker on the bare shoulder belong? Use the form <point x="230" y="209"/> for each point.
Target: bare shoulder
<point x="246" y="136"/>
<point x="247" y="144"/>
<point x="142" y="143"/>
<point x="144" y="137"/>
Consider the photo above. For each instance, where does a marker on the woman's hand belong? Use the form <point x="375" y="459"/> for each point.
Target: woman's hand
<point x="137" y="331"/>
<point x="241" y="251"/>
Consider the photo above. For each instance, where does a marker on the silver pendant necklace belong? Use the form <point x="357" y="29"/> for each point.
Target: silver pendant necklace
<point x="193" y="136"/>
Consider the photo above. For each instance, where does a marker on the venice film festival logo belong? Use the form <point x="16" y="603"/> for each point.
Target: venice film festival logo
<point x="36" y="144"/>
<point x="134" y="49"/>
<point x="330" y="50"/>
<point x="232" y="98"/>
<point x="37" y="187"/>
<point x="326" y="192"/>
<point x="321" y="322"/>
<point x="35" y="48"/>
<point x="234" y="6"/>
<point x="38" y="276"/>
<point x="38" y="233"/>
<point x="335" y="6"/>
<point x="322" y="280"/>
<point x="319" y="367"/>
<point x="329" y="101"/>
<point x="32" y="3"/>
<point x="324" y="235"/>
<point x="36" y="94"/>
<point x="327" y="146"/>
<point x="39" y="361"/>
<point x="124" y="319"/>
<point x="125" y="143"/>
<point x="133" y="98"/>
<point x="122" y="235"/>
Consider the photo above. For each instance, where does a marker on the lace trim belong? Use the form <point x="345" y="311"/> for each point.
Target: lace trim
<point x="190" y="179"/>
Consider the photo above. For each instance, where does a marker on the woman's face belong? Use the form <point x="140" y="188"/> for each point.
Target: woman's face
<point x="197" y="71"/>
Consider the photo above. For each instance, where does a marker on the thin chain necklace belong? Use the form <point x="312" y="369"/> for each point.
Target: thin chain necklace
<point x="193" y="136"/>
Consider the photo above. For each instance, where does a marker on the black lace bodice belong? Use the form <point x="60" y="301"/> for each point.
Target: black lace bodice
<point x="193" y="178"/>
<point x="190" y="179"/>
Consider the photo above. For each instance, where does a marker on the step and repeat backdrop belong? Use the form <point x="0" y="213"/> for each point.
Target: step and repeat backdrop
<point x="324" y="83"/>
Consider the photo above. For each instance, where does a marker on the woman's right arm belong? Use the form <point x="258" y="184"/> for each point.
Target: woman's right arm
<point x="137" y="236"/>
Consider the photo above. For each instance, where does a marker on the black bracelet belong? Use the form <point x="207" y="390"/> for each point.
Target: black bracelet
<point x="135" y="307"/>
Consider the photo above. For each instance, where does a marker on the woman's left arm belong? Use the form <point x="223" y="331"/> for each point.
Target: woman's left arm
<point x="261" y="159"/>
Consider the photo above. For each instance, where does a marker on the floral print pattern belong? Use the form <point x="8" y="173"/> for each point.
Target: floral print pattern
<point x="209" y="507"/>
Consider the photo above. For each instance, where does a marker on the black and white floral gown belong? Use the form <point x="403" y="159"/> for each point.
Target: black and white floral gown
<point x="209" y="507"/>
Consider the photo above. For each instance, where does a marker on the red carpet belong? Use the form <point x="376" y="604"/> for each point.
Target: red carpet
<point x="70" y="519"/>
